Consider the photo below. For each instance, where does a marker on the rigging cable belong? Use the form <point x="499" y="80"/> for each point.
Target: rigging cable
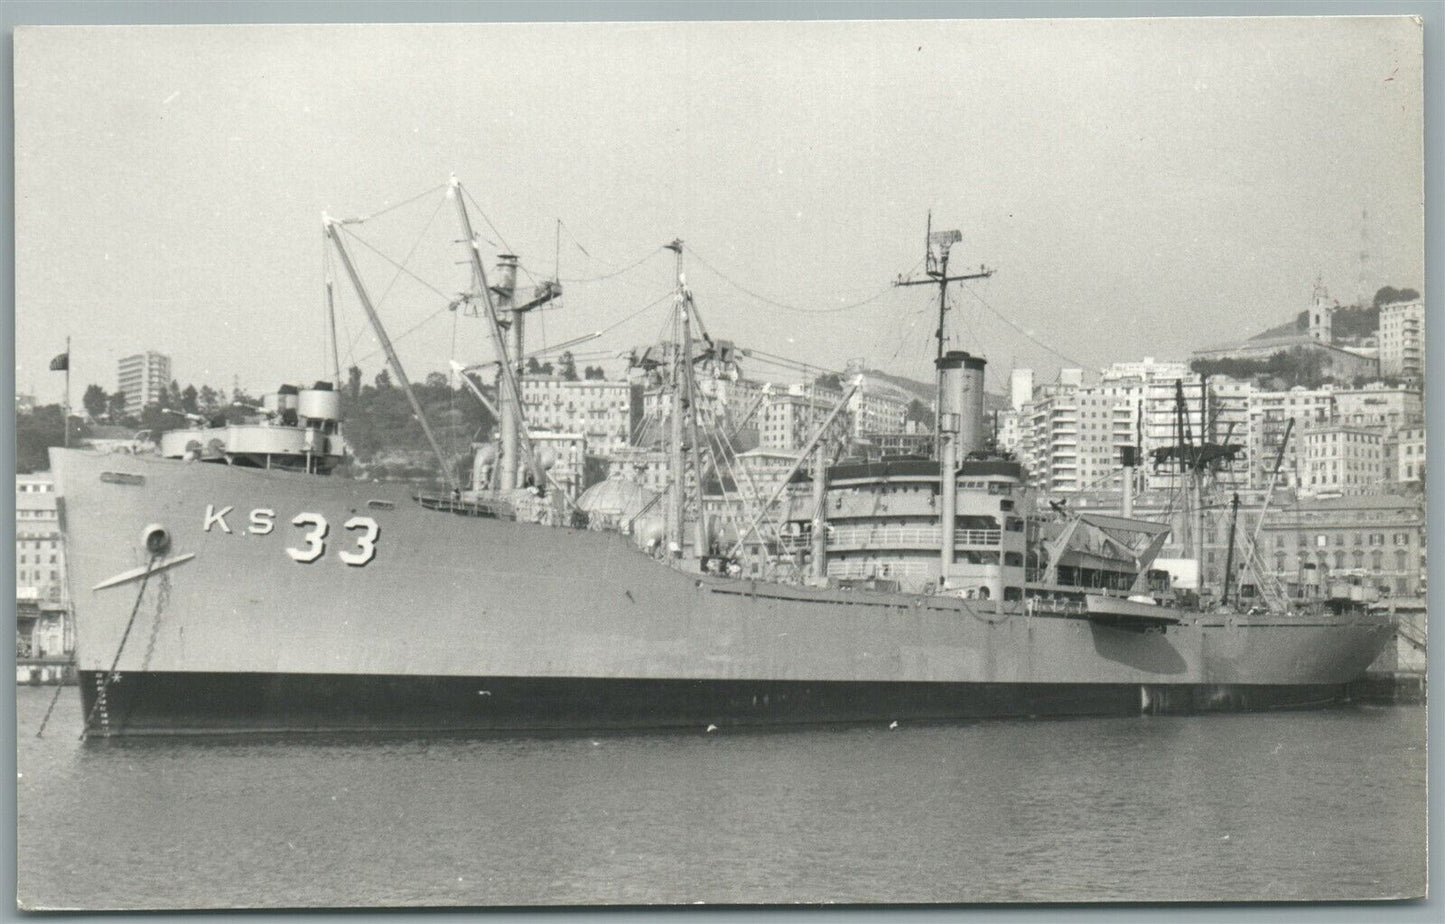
<point x="652" y="304"/>
<point x="400" y="269"/>
<point x="1023" y="331"/>
<point x="782" y="305"/>
<point x="481" y="211"/>
<point x="626" y="269"/>
<point x="404" y="202"/>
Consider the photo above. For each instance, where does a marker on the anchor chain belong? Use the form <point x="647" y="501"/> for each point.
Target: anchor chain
<point x="103" y="688"/>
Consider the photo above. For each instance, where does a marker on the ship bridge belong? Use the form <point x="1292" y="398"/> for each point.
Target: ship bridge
<point x="883" y="523"/>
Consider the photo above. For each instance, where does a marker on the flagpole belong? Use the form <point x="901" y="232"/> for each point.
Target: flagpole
<point x="67" y="392"/>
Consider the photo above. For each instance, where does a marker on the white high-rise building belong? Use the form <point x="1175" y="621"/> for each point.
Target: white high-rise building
<point x="143" y="378"/>
<point x="1402" y="340"/>
<point x="1021" y="388"/>
<point x="1147" y="369"/>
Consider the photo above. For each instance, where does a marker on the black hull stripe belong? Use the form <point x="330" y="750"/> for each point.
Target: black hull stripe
<point x="229" y="703"/>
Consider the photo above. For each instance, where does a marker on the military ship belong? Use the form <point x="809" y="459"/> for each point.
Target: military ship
<point x="232" y="583"/>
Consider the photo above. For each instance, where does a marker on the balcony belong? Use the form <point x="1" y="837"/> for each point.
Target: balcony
<point x="870" y="569"/>
<point x="859" y="538"/>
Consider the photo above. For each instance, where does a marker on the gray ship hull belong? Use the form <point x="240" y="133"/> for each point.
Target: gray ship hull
<point x="288" y="603"/>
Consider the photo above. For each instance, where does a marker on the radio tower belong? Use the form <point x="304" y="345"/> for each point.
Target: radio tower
<point x="1362" y="284"/>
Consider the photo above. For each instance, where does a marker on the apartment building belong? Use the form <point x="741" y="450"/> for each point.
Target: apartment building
<point x="1343" y="459"/>
<point x="790" y="417"/>
<point x="605" y="412"/>
<point x="1402" y="340"/>
<point x="143" y="379"/>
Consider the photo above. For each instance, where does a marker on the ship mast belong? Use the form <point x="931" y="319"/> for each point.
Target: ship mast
<point x="948" y="425"/>
<point x="690" y="405"/>
<point x="396" y="367"/>
<point x="510" y="393"/>
<point x="676" y="504"/>
<point x="936" y="271"/>
<point x="682" y="430"/>
<point x="1229" y="556"/>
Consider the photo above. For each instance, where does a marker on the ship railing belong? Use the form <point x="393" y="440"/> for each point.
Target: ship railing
<point x="1055" y="607"/>
<point x="907" y="537"/>
<point x="497" y="510"/>
<point x="891" y="569"/>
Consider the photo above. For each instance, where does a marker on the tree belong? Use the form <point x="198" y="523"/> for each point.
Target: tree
<point x="383" y="380"/>
<point x="189" y="400"/>
<point x="1389" y="294"/>
<point x="353" y="382"/>
<point x="918" y="412"/>
<point x="94" y="401"/>
<point x="158" y="419"/>
<point x="568" y="366"/>
<point x="532" y="367"/>
<point x="437" y="380"/>
<point x="829" y="380"/>
<point x="594" y="373"/>
<point x="172" y="396"/>
<point x="115" y="407"/>
<point x="209" y="400"/>
<point x="38" y="431"/>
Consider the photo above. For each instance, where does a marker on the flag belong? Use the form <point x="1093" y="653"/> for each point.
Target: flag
<point x="60" y="363"/>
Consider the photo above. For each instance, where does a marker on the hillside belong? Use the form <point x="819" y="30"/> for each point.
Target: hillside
<point x="912" y="389"/>
<point x="1351" y="322"/>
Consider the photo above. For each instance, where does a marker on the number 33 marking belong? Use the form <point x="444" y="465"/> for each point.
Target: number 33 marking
<point x="316" y="539"/>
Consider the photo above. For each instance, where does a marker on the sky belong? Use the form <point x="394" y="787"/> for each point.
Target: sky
<point x="1139" y="187"/>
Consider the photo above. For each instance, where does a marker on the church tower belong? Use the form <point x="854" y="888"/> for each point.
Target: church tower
<point x="1322" y="320"/>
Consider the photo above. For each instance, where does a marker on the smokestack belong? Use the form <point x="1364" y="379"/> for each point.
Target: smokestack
<point x="961" y="381"/>
<point x="506" y="284"/>
<point x="961" y="429"/>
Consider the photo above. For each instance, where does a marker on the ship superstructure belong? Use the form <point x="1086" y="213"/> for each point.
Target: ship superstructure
<point x="296" y="429"/>
<point x="253" y="595"/>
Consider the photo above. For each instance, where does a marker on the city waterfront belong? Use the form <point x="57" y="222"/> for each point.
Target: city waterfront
<point x="1276" y="806"/>
<point x="724" y="463"/>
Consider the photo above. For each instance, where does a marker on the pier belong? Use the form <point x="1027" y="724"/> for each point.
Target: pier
<point x="1399" y="673"/>
<point x="45" y="671"/>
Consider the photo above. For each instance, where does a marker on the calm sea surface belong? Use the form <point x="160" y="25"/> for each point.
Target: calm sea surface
<point x="1284" y="806"/>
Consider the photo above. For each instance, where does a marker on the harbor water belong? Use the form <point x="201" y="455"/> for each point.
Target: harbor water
<point x="1287" y="806"/>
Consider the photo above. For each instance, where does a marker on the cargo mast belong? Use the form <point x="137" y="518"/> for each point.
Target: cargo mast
<point x="683" y="426"/>
<point x="513" y="424"/>
<point x="330" y="225"/>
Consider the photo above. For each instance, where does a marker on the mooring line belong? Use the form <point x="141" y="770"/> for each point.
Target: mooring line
<point x="59" y="686"/>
